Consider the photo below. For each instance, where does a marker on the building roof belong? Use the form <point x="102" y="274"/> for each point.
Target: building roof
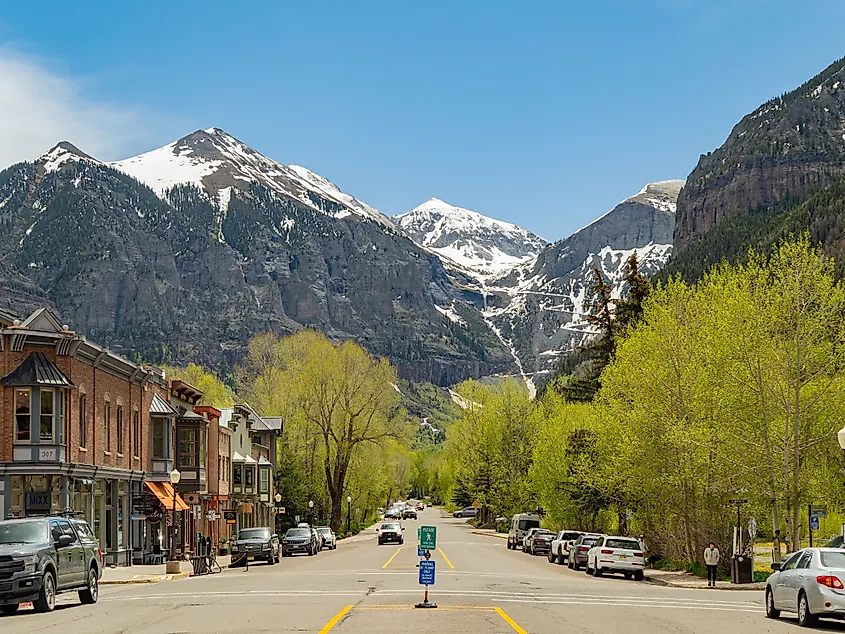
<point x="186" y="391"/>
<point x="263" y="460"/>
<point x="37" y="369"/>
<point x="236" y="457"/>
<point x="192" y="415"/>
<point x="161" y="407"/>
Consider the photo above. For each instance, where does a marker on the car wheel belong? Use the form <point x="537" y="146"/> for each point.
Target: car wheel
<point x="91" y="593"/>
<point x="597" y="572"/>
<point x="46" y="601"/>
<point x="9" y="610"/>
<point x="639" y="575"/>
<point x="628" y="576"/>
<point x="771" y="612"/>
<point x="551" y="557"/>
<point x="805" y="617"/>
<point x="560" y="560"/>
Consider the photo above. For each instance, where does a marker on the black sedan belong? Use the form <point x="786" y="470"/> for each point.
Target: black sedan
<point x="256" y="543"/>
<point x="390" y="532"/>
<point x="299" y="540"/>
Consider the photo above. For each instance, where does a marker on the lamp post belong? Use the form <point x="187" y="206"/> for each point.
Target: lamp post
<point x="348" y="513"/>
<point x="311" y="512"/>
<point x="172" y="564"/>
<point x="278" y="498"/>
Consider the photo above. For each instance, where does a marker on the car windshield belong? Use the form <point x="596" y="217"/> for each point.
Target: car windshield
<point x="324" y="531"/>
<point x="390" y="527"/>
<point x="254" y="533"/>
<point x="630" y="544"/>
<point x="570" y="535"/>
<point x="833" y="560"/>
<point x="298" y="532"/>
<point x="23" y="533"/>
<point x="589" y="540"/>
<point x="525" y="525"/>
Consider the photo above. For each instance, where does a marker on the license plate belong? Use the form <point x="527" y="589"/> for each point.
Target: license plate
<point x="250" y="558"/>
<point x="623" y="556"/>
<point x="249" y="547"/>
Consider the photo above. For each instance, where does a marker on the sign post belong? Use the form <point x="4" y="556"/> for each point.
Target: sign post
<point x="814" y="513"/>
<point x="426" y="579"/>
<point x="428" y="537"/>
<point x="427" y="542"/>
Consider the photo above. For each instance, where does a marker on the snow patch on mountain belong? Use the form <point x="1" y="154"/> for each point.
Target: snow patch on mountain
<point x="61" y="154"/>
<point x="468" y="239"/>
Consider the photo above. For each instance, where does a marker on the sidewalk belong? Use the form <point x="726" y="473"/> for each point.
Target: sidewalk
<point x="676" y="579"/>
<point x="489" y="532"/>
<point x="151" y="574"/>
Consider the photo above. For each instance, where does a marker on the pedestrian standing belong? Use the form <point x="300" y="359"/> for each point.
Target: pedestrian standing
<point x="711" y="558"/>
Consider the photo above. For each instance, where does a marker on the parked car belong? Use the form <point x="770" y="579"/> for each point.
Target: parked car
<point x="299" y="540"/>
<point x="521" y="523"/>
<point x="328" y="537"/>
<point x="835" y="542"/>
<point x="428" y="504"/>
<point x="390" y="532"/>
<point x="468" y="511"/>
<point x="43" y="557"/>
<point x="258" y="543"/>
<point x="580" y="548"/>
<point x="809" y="583"/>
<point x="559" y="550"/>
<point x="616" y="554"/>
<point x="393" y="514"/>
<point x="409" y="513"/>
<point x="537" y="541"/>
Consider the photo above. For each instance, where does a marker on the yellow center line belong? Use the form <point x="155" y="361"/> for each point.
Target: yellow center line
<point x="510" y="621"/>
<point x="392" y="557"/>
<point x="445" y="558"/>
<point x="328" y="627"/>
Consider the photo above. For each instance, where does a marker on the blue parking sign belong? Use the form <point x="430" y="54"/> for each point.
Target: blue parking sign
<point x="814" y="523"/>
<point x="420" y="551"/>
<point x="426" y="573"/>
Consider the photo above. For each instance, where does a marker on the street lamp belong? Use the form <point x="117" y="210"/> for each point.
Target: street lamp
<point x="175" y="476"/>
<point x="348" y="513"/>
<point x="311" y="511"/>
<point x="278" y="498"/>
<point x="841" y="438"/>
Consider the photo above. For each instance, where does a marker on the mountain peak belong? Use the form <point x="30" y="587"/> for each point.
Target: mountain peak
<point x="61" y="153"/>
<point x="470" y="240"/>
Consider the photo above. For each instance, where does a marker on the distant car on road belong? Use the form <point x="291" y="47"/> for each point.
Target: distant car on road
<point x="390" y="532"/>
<point x="393" y="514"/>
<point x="521" y="523"/>
<point x="258" y="543"/>
<point x="409" y="513"/>
<point x="809" y="583"/>
<point x="468" y="511"/>
<point x="559" y="550"/>
<point x="299" y="540"/>
<point x="616" y="554"/>
<point x="580" y="548"/>
<point x="537" y="541"/>
<point x="42" y="557"/>
<point x="328" y="536"/>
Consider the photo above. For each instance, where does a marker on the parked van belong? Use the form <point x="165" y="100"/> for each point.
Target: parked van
<point x="521" y="523"/>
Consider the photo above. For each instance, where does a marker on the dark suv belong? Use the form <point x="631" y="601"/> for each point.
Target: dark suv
<point x="45" y="556"/>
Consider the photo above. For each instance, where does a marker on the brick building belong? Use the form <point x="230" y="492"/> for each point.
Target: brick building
<point x="74" y="430"/>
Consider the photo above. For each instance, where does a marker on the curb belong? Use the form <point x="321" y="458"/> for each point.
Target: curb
<point x="669" y="584"/>
<point x="499" y="535"/>
<point x="124" y="582"/>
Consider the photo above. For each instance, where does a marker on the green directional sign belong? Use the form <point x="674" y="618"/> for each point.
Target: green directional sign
<point x="428" y="537"/>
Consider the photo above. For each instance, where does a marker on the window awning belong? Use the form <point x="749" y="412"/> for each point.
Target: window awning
<point x="164" y="492"/>
<point x="161" y="407"/>
<point x="37" y="369"/>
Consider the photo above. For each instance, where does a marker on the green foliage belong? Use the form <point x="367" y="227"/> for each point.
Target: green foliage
<point x="215" y="392"/>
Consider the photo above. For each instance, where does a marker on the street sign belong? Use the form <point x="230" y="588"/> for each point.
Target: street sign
<point x="752" y="528"/>
<point x="818" y="511"/>
<point x="211" y="515"/>
<point x="426" y="573"/>
<point x="231" y="517"/>
<point x="428" y="537"/>
<point x="738" y="501"/>
<point x="814" y="523"/>
<point x="420" y="551"/>
<point x="296" y="518"/>
<point x="280" y="510"/>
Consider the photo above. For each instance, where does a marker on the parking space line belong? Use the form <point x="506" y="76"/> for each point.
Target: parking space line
<point x="510" y="621"/>
<point x="328" y="627"/>
<point x="392" y="557"/>
<point x="445" y="558"/>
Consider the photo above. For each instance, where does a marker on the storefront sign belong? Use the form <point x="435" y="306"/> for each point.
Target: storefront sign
<point x="38" y="501"/>
<point x="231" y="517"/>
<point x="154" y="516"/>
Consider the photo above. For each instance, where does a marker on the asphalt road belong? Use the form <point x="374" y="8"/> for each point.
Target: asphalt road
<point x="362" y="587"/>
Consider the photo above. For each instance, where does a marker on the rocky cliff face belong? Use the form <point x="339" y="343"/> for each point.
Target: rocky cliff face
<point x="788" y="148"/>
<point x="191" y="271"/>
<point x="539" y="308"/>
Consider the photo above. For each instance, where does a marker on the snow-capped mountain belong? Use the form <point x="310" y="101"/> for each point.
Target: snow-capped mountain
<point x="539" y="308"/>
<point x="476" y="243"/>
<point x="217" y="162"/>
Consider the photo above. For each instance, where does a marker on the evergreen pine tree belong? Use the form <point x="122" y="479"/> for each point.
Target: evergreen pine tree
<point x="629" y="310"/>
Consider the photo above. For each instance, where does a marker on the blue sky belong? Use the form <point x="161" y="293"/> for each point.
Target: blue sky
<point x="545" y="114"/>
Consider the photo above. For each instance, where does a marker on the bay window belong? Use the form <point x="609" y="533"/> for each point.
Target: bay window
<point x="187" y="447"/>
<point x="48" y="414"/>
<point x="23" y="414"/>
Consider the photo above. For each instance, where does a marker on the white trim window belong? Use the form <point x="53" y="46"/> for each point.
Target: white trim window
<point x="48" y="415"/>
<point x="264" y="480"/>
<point x="23" y="414"/>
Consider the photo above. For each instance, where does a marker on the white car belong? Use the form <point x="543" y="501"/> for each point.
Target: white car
<point x="328" y="536"/>
<point x="616" y="554"/>
<point x="559" y="552"/>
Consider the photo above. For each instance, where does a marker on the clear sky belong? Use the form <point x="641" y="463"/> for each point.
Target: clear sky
<point x="545" y="114"/>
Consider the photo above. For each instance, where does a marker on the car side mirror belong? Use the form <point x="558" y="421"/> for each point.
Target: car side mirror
<point x="64" y="541"/>
<point x="776" y="566"/>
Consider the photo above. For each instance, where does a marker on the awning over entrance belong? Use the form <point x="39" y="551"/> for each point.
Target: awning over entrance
<point x="164" y="492"/>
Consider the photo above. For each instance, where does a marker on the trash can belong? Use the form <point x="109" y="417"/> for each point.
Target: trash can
<point x="742" y="569"/>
